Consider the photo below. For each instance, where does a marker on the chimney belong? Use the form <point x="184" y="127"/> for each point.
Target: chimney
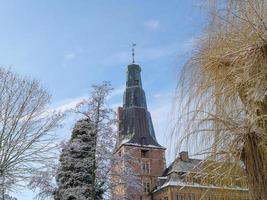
<point x="184" y="156"/>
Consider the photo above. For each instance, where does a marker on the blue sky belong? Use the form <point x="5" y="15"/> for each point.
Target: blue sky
<point x="70" y="45"/>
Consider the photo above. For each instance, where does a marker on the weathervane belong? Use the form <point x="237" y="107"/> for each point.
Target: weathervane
<point x="133" y="45"/>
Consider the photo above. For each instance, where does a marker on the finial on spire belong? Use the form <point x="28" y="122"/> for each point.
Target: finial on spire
<point x="133" y="45"/>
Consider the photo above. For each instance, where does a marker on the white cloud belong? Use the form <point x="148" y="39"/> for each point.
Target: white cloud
<point x="162" y="117"/>
<point x="157" y="95"/>
<point x="152" y="24"/>
<point x="70" y="103"/>
<point x="145" y="53"/>
<point x="117" y="91"/>
<point x="73" y="54"/>
<point x="69" y="56"/>
<point x="67" y="104"/>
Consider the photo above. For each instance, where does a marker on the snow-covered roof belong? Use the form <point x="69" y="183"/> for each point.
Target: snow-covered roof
<point x="175" y="181"/>
<point x="182" y="166"/>
<point x="174" y="176"/>
<point x="139" y="145"/>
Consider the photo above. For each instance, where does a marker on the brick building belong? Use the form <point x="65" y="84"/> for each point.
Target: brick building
<point x="136" y="136"/>
<point x="179" y="183"/>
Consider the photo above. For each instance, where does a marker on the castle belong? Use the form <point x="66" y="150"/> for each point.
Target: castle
<point x="136" y="136"/>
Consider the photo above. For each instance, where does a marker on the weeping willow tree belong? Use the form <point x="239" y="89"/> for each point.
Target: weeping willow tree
<point x="223" y="111"/>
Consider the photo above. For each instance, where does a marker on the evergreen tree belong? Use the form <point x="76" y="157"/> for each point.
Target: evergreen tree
<point x="85" y="171"/>
<point x="85" y="162"/>
<point x="75" y="174"/>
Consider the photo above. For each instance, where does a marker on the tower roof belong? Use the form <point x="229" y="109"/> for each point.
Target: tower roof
<point x="135" y="123"/>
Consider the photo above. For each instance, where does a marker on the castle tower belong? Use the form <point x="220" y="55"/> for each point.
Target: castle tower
<point x="136" y="137"/>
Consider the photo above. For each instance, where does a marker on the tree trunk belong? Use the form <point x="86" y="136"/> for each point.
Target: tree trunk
<point x="255" y="160"/>
<point x="254" y="153"/>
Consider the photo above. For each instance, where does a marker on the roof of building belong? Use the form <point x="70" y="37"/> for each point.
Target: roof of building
<point x="135" y="123"/>
<point x="175" y="175"/>
<point x="179" y="165"/>
<point x="179" y="182"/>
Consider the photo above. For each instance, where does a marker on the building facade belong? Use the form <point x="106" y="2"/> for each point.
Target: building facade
<point x="137" y="140"/>
<point x="179" y="182"/>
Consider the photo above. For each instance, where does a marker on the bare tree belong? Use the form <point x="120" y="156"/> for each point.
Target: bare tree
<point x="123" y="180"/>
<point x="224" y="88"/>
<point x="25" y="129"/>
<point x="43" y="182"/>
<point x="97" y="111"/>
<point x="100" y="137"/>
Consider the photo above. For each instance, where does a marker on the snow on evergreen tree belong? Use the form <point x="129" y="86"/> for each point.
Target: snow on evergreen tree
<point x="75" y="174"/>
<point x="84" y="162"/>
<point x="8" y="197"/>
<point x="85" y="171"/>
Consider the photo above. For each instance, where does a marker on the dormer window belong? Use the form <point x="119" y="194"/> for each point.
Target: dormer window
<point x="144" y="153"/>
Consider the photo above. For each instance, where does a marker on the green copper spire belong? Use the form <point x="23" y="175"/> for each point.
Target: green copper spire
<point x="134" y="94"/>
<point x="135" y="123"/>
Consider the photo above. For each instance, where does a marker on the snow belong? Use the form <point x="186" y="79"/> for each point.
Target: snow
<point x="181" y="183"/>
<point x="135" y="144"/>
<point x="75" y="174"/>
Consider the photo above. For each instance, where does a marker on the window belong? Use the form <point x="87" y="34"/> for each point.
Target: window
<point x="146" y="186"/>
<point x="145" y="167"/>
<point x="144" y="153"/>
<point x="180" y="197"/>
<point x="191" y="196"/>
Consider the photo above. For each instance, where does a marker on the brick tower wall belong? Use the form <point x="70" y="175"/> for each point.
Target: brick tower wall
<point x="149" y="163"/>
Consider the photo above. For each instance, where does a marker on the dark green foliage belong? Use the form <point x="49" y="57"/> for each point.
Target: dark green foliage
<point x="75" y="174"/>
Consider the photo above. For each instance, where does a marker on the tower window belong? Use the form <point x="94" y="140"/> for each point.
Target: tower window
<point x="136" y="82"/>
<point x="145" y="167"/>
<point x="144" y="153"/>
<point x="146" y="186"/>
